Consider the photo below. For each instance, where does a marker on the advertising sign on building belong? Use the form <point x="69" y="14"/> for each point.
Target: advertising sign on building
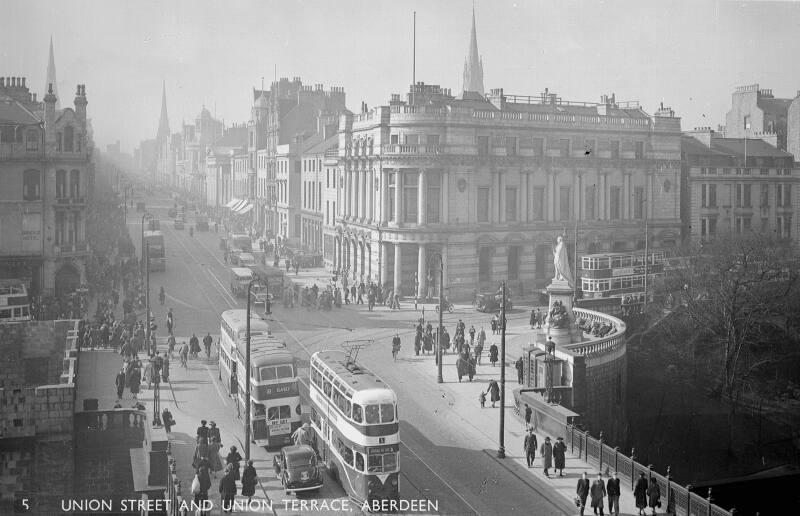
<point x="32" y="232"/>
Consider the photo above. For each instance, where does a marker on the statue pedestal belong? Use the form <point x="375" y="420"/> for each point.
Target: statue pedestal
<point x="562" y="291"/>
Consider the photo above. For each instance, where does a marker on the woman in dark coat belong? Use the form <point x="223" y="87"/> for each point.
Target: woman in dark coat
<point x="233" y="459"/>
<point x="653" y="495"/>
<point x="227" y="488"/>
<point x="249" y="479"/>
<point x="559" y="456"/>
<point x="494" y="392"/>
<point x="640" y="493"/>
<point x="120" y="383"/>
<point x="493" y="354"/>
<point x="135" y="381"/>
<point x="205" y="485"/>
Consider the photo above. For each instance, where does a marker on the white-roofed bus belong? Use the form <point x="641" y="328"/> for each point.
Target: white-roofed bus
<point x="354" y="415"/>
<point x="274" y="395"/>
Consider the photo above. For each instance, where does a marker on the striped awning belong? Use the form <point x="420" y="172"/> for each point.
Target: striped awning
<point x="232" y="203"/>
<point x="244" y="209"/>
<point x="239" y="205"/>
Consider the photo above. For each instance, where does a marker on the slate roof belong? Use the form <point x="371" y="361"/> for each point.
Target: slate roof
<point x="755" y="147"/>
<point x="14" y="113"/>
<point x="316" y="145"/>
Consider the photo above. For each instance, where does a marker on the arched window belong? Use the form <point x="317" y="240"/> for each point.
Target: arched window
<point x="75" y="183"/>
<point x="61" y="184"/>
<point x="69" y="139"/>
<point x="31" y="185"/>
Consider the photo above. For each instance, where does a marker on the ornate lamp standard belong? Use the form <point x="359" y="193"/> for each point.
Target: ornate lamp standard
<point x="439" y="378"/>
<point x="247" y="374"/>
<point x="501" y="452"/>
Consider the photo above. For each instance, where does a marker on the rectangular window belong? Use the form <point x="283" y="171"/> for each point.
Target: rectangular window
<point x="511" y="146"/>
<point x="432" y="140"/>
<point x="511" y="204"/>
<point x="564" y="203"/>
<point x="538" y="146"/>
<point x="392" y="186"/>
<point x="483" y="205"/>
<point x="394" y="139"/>
<point x="514" y="253"/>
<point x="787" y="196"/>
<point x="613" y="145"/>
<point x="703" y="195"/>
<point x="433" y="198"/>
<point x="746" y="197"/>
<point x="485" y="264"/>
<point x="764" y="196"/>
<point x="712" y="196"/>
<point x="483" y="145"/>
<point x="639" y="152"/>
<point x="410" y="196"/>
<point x="412" y="139"/>
<point x="591" y="195"/>
<point x="638" y="202"/>
<point x="614" y="204"/>
<point x="537" y="203"/>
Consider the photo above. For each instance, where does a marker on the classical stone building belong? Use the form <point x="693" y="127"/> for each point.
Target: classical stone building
<point x="737" y="185"/>
<point x="489" y="182"/>
<point x="313" y="176"/>
<point x="46" y="178"/>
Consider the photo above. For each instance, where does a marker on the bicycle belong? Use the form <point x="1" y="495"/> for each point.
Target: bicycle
<point x="447" y="306"/>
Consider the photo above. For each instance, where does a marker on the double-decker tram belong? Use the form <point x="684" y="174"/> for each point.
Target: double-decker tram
<point x="613" y="281"/>
<point x="274" y="396"/>
<point x="354" y="415"/>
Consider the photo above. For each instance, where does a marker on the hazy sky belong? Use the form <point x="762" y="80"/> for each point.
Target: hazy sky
<point x="689" y="54"/>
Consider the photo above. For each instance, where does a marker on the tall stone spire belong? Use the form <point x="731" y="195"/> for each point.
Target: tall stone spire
<point x="163" y="122"/>
<point x="473" y="66"/>
<point x="51" y="76"/>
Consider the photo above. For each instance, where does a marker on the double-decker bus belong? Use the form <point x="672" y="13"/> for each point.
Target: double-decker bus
<point x="14" y="302"/>
<point x="354" y="415"/>
<point x="611" y="281"/>
<point x="156" y="255"/>
<point x="274" y="396"/>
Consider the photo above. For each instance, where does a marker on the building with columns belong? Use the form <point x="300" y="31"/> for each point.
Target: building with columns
<point x="738" y="185"/>
<point x="46" y="181"/>
<point x="312" y="177"/>
<point x="489" y="183"/>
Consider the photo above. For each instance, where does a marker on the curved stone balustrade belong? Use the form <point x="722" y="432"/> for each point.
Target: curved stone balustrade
<point x="602" y="344"/>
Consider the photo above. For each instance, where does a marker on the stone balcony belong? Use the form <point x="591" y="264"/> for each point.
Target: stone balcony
<point x="70" y="249"/>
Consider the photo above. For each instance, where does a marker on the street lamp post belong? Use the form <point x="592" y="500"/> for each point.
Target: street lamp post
<point x="501" y="452"/>
<point x="247" y="377"/>
<point x="144" y="216"/>
<point x="439" y="332"/>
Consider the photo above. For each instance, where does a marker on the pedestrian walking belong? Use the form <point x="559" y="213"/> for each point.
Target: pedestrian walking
<point x="520" y="366"/>
<point x="598" y="493"/>
<point x="120" y="383"/>
<point x="613" y="492"/>
<point x="493" y="354"/>
<point x="494" y="392"/>
<point x="582" y="492"/>
<point x="530" y="446"/>
<point x="559" y="456"/>
<point x="184" y="354"/>
<point x="653" y="495"/>
<point x="227" y="488"/>
<point x="167" y="419"/>
<point x="207" y="340"/>
<point x="472" y="335"/>
<point x="532" y="320"/>
<point x="494" y="324"/>
<point x="135" y="381"/>
<point x="171" y="344"/>
<point x="194" y="346"/>
<point x="640" y="493"/>
<point x="303" y="435"/>
<point x="539" y="318"/>
<point x="482" y="399"/>
<point x="249" y="480"/>
<point x="165" y="369"/>
<point x="170" y="322"/>
<point x="396" y="346"/>
<point x="547" y="456"/>
<point x="528" y="414"/>
<point x="233" y="459"/>
<point x="201" y="485"/>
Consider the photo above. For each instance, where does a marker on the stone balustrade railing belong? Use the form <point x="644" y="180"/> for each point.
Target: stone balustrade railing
<point x="603" y="344"/>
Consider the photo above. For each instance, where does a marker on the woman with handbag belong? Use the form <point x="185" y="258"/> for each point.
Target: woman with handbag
<point x="640" y="493"/>
<point x="200" y="486"/>
<point x="653" y="495"/>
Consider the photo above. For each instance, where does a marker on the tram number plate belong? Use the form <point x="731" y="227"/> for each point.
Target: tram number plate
<point x="279" y="427"/>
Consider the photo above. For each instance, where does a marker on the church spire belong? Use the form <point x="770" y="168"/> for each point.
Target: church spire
<point x="51" y="75"/>
<point x="163" y="123"/>
<point x="473" y="66"/>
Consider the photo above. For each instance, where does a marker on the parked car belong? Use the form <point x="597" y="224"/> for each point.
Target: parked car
<point x="491" y="302"/>
<point x="245" y="260"/>
<point x="297" y="468"/>
<point x="179" y="223"/>
<point x="201" y="223"/>
<point x="172" y="213"/>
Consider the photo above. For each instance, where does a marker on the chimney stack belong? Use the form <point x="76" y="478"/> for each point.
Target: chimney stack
<point x="80" y="104"/>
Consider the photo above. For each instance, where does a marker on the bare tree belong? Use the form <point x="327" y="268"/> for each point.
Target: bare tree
<point x="738" y="293"/>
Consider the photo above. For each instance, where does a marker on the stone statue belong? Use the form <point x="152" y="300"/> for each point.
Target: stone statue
<point x="561" y="263"/>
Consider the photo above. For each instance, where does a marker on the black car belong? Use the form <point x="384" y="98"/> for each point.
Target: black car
<point x="298" y="469"/>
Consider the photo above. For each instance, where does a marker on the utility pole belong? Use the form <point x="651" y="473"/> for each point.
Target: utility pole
<point x="439" y="378"/>
<point x="246" y="373"/>
<point x="501" y="452"/>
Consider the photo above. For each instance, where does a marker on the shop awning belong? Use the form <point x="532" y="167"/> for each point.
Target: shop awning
<point x="236" y="207"/>
<point x="246" y="208"/>
<point x="232" y="203"/>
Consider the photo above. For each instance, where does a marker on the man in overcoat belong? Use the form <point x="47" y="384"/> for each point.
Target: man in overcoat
<point x="547" y="456"/>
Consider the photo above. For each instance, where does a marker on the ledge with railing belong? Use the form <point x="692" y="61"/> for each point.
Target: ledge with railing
<point x="609" y="342"/>
<point x="395" y="148"/>
<point x="676" y="499"/>
<point x="20" y="151"/>
<point x="75" y="248"/>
